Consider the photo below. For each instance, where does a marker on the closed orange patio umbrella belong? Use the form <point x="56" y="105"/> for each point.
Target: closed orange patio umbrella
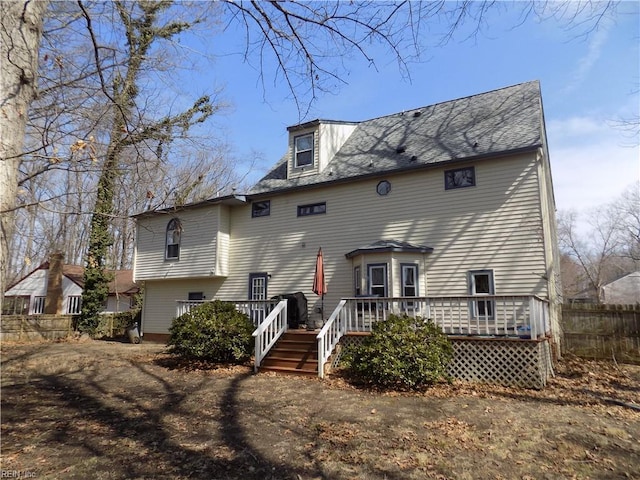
<point x="319" y="283"/>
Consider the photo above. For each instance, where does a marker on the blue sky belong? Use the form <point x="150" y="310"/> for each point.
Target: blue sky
<point x="588" y="84"/>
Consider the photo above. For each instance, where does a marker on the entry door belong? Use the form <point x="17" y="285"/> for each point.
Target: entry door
<point x="258" y="291"/>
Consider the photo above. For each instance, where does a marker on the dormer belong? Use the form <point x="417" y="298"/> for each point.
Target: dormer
<point x="312" y="145"/>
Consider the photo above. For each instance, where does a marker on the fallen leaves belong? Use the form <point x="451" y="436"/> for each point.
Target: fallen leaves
<point x="118" y="409"/>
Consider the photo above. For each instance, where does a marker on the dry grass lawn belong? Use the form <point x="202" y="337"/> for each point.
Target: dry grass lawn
<point x="108" y="410"/>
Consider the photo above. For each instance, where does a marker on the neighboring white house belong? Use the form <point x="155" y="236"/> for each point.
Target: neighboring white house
<point x="624" y="290"/>
<point x="449" y="200"/>
<point x="28" y="296"/>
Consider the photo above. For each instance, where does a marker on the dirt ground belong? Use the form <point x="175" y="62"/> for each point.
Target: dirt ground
<point x="109" y="410"/>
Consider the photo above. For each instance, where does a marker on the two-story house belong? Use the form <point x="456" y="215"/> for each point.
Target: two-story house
<point x="451" y="204"/>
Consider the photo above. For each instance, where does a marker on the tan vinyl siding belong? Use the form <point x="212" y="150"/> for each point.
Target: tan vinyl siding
<point x="223" y="242"/>
<point x="495" y="225"/>
<point x="160" y="300"/>
<point x="198" y="245"/>
<point x="331" y="137"/>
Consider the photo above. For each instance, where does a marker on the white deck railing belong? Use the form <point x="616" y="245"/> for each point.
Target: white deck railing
<point x="464" y="315"/>
<point x="331" y="333"/>
<point x="257" y="310"/>
<point x="268" y="332"/>
<point x="490" y="315"/>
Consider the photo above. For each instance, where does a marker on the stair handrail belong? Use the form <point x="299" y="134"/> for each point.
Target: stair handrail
<point x="330" y="335"/>
<point x="269" y="331"/>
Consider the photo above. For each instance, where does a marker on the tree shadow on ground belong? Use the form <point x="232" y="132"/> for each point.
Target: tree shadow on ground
<point x="115" y="430"/>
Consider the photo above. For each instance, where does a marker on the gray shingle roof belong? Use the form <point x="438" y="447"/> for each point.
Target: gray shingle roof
<point x="505" y="120"/>
<point x="389" y="246"/>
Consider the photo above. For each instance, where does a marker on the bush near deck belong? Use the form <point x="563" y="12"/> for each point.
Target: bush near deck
<point x="402" y="352"/>
<point x="214" y="331"/>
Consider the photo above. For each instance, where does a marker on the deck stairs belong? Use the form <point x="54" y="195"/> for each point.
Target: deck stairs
<point x="296" y="352"/>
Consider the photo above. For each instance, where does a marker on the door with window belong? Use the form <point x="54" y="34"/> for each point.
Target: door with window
<point x="258" y="291"/>
<point x="481" y="284"/>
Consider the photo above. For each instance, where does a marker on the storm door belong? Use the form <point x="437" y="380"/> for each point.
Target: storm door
<point x="258" y="291"/>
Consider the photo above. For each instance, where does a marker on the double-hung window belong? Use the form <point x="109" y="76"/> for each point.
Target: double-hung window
<point x="481" y="284"/>
<point x="377" y="279"/>
<point x="409" y="283"/>
<point x="357" y="281"/>
<point x="172" y="246"/>
<point x="303" y="146"/>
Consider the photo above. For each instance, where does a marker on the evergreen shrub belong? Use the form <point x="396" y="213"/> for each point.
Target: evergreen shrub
<point x="214" y="331"/>
<point x="402" y="353"/>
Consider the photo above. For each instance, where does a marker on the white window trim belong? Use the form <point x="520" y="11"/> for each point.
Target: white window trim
<point x="385" y="267"/>
<point x="166" y="239"/>
<point x="258" y="288"/>
<point x="296" y="151"/>
<point x="38" y="304"/>
<point x="489" y="305"/>
<point x="74" y="304"/>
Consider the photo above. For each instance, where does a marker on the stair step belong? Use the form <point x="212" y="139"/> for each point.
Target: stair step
<point x="290" y="362"/>
<point x="290" y="371"/>
<point x="297" y="344"/>
<point x="292" y="353"/>
<point x="299" y="336"/>
<point x="295" y="352"/>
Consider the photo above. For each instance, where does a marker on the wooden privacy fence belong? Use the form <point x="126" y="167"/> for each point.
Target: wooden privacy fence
<point x="27" y="328"/>
<point x="602" y="331"/>
<point x="24" y="328"/>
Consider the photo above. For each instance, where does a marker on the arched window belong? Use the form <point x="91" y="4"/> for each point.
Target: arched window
<point x="174" y="231"/>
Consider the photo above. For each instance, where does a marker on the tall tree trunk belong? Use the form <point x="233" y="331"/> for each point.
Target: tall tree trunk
<point x="20" y="34"/>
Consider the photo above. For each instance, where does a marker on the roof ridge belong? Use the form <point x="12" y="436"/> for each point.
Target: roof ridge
<point x="424" y="106"/>
<point x="454" y="100"/>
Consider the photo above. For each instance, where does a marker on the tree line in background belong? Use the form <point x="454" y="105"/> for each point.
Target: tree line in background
<point x="599" y="245"/>
<point x="96" y="127"/>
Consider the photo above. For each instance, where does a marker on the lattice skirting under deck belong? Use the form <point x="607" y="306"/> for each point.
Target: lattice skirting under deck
<point x="502" y="361"/>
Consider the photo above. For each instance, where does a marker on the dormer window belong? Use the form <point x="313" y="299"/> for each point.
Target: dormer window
<point x="303" y="151"/>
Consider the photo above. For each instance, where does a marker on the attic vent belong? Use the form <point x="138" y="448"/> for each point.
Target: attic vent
<point x="417" y="114"/>
<point x="401" y="149"/>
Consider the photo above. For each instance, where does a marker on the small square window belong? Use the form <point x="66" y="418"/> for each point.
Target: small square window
<point x="459" y="178"/>
<point x="303" y="146"/>
<point x="313" y="209"/>
<point x="261" y="209"/>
